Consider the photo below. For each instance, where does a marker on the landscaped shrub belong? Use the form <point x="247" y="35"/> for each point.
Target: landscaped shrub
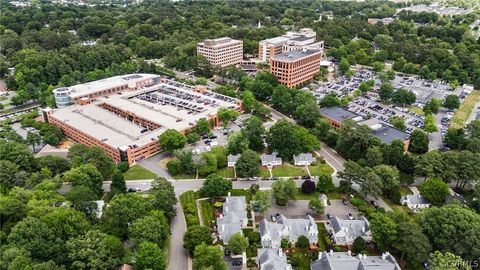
<point x="123" y="166"/>
<point x="302" y="242"/>
<point x="357" y="202"/>
<point x="174" y="167"/>
<point x="308" y="187"/>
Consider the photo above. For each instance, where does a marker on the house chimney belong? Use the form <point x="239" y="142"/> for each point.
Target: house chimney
<point x="384" y="256"/>
<point x="349" y="252"/>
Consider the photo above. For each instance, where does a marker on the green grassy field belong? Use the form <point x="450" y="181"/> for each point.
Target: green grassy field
<point x="465" y="110"/>
<point x="208" y="212"/>
<point x="320" y="169"/>
<point x="187" y="200"/>
<point x="226" y="172"/>
<point x="137" y="172"/>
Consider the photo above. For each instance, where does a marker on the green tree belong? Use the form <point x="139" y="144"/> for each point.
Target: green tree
<point x="398" y="122"/>
<point x="330" y="100"/>
<point x="432" y="106"/>
<point x="384" y="231"/>
<point x="325" y="183"/>
<point x="164" y="197"/>
<point x="359" y="245"/>
<point x="33" y="139"/>
<point x="316" y="205"/>
<point x="344" y="66"/>
<point x="65" y="223"/>
<point x="389" y="175"/>
<point x="55" y="164"/>
<point x="248" y="101"/>
<point x="447" y="261"/>
<point x="308" y="186"/>
<point x="118" y="184"/>
<point x="247" y="164"/>
<point x="253" y="132"/>
<point x="226" y="115"/>
<point x="83" y="199"/>
<point x="80" y="154"/>
<point x="94" y="250"/>
<point x="418" y="142"/>
<point x="455" y="138"/>
<point x="123" y="210"/>
<point x="153" y="228"/>
<point x="10" y="176"/>
<point x="193" y="137"/>
<point x="149" y="256"/>
<point x="37" y="238"/>
<point x="403" y="97"/>
<point x="386" y="91"/>
<point x="378" y="67"/>
<point x="429" y="164"/>
<point x="208" y="164"/>
<point x="237" y="243"/>
<point x="413" y="244"/>
<point x="442" y="227"/>
<point x="195" y="236"/>
<point x="288" y="140"/>
<point x="215" y="186"/>
<point x="237" y="143"/>
<point x="284" y="190"/>
<point x="374" y="156"/>
<point x="430" y="125"/>
<point x="302" y="242"/>
<point x="451" y="102"/>
<point x="262" y="198"/>
<point x="208" y="257"/>
<point x="371" y="184"/>
<point x="171" y="139"/>
<point x="202" y="127"/>
<point x="435" y="191"/>
<point x="85" y="175"/>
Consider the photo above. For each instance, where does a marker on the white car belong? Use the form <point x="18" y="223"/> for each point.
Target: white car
<point x="208" y="148"/>
<point x="213" y="143"/>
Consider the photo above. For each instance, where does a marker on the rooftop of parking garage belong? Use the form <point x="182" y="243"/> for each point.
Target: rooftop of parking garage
<point x="111" y="82"/>
<point x="183" y="109"/>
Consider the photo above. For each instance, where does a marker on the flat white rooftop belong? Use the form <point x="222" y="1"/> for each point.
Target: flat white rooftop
<point x="275" y="40"/>
<point x="111" y="82"/>
<point x="169" y="105"/>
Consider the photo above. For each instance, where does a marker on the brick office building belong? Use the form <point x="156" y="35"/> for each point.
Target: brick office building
<point x="221" y="52"/>
<point x="296" y="67"/>
<point x="127" y="124"/>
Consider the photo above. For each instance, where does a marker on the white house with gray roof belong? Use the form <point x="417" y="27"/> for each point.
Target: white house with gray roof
<point x="345" y="230"/>
<point x="415" y="202"/>
<point x="271" y="160"/>
<point x="233" y="218"/>
<point x="272" y="233"/>
<point x="345" y="261"/>
<point x="272" y="259"/>
<point x="232" y="160"/>
<point x="304" y="159"/>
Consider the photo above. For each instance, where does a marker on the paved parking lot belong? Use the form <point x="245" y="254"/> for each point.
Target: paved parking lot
<point x="343" y="85"/>
<point x="295" y="209"/>
<point x="425" y="90"/>
<point x="337" y="208"/>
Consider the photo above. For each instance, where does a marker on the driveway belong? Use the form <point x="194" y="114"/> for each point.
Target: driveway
<point x="294" y="209"/>
<point x="151" y="164"/>
<point x="337" y="208"/>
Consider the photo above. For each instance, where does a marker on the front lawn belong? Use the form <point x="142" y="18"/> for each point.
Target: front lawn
<point x="207" y="211"/>
<point x="137" y="172"/>
<point x="302" y="196"/>
<point x="241" y="192"/>
<point x="226" y="172"/>
<point x="320" y="168"/>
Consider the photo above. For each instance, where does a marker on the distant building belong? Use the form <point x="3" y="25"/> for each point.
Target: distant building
<point x="221" y="52"/>
<point x="271" y="160"/>
<point x="49" y="150"/>
<point x="232" y="160"/>
<point x="270" y="47"/>
<point x="272" y="233"/>
<point x="436" y="8"/>
<point x="385" y="21"/>
<point x="233" y="218"/>
<point x="345" y="230"/>
<point x="336" y="116"/>
<point x="272" y="259"/>
<point x="344" y="260"/>
<point x="415" y="202"/>
<point x="304" y="159"/>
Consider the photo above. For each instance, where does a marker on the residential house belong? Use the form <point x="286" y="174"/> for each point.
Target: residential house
<point x="272" y="258"/>
<point x="304" y="159"/>
<point x="233" y="218"/>
<point x="344" y="260"/>
<point x="232" y="160"/>
<point x="271" y="160"/>
<point x="345" y="230"/>
<point x="272" y="233"/>
<point x="415" y="202"/>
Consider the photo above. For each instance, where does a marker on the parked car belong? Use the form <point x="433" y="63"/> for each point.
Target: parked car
<point x="350" y="216"/>
<point x="374" y="203"/>
<point x="344" y="202"/>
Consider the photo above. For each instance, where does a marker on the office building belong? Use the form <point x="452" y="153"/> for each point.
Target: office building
<point x="336" y="116"/>
<point x="221" y="52"/>
<point x="127" y="124"/>
<point x="270" y="47"/>
<point x="293" y="68"/>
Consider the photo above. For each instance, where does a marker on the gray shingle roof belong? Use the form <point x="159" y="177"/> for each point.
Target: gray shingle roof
<point x="272" y="258"/>
<point x="296" y="227"/>
<point x="233" y="158"/>
<point x="270" y="158"/>
<point x="234" y="211"/>
<point x="352" y="228"/>
<point x="415" y="199"/>
<point x="304" y="157"/>
<point x="345" y="261"/>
